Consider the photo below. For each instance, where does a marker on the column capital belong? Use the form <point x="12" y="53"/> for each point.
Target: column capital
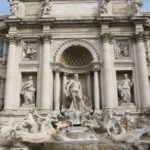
<point x="107" y="37"/>
<point x="46" y="37"/>
<point x="14" y="38"/>
<point x="138" y="37"/>
<point x="57" y="69"/>
<point x="147" y="36"/>
<point x="96" y="66"/>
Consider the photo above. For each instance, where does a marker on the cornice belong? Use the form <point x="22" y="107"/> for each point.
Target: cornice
<point x="76" y="21"/>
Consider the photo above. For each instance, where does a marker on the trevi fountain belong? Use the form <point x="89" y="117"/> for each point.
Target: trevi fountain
<point x="75" y="75"/>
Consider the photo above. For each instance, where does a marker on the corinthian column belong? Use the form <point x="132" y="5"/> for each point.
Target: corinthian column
<point x="11" y="76"/>
<point x="46" y="75"/>
<point x="142" y="71"/>
<point x="89" y="86"/>
<point x="57" y="91"/>
<point x="107" y="72"/>
<point x="96" y="91"/>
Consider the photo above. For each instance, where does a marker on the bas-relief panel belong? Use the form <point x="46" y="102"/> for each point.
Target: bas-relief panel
<point x="30" y="51"/>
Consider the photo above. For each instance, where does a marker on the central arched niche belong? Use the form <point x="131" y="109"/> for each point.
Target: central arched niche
<point x="78" y="59"/>
<point x="76" y="56"/>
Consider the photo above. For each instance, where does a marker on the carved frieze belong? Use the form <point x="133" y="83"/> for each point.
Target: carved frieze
<point x="107" y="37"/>
<point x="122" y="49"/>
<point x="30" y="51"/>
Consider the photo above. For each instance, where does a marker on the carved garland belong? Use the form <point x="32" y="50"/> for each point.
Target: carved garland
<point x="76" y="42"/>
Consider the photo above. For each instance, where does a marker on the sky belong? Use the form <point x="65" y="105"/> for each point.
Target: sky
<point x="4" y="6"/>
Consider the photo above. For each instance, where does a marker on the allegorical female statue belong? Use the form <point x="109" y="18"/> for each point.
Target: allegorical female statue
<point x="28" y="92"/>
<point x="124" y="89"/>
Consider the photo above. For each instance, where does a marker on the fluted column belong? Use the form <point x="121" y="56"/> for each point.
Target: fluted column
<point x="142" y="71"/>
<point x="107" y="72"/>
<point x="46" y="102"/>
<point x="11" y="76"/>
<point x="96" y="91"/>
<point x="57" y="90"/>
<point x="89" y="92"/>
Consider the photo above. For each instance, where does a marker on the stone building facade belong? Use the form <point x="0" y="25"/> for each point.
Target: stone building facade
<point x="44" y="43"/>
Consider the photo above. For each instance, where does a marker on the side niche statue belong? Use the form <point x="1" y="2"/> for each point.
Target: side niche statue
<point x="124" y="89"/>
<point x="28" y="93"/>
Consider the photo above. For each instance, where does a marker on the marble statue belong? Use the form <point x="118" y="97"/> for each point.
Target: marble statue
<point x="103" y="6"/>
<point x="31" y="121"/>
<point x="126" y="121"/>
<point x="107" y="121"/>
<point x="29" y="52"/>
<point x="137" y="4"/>
<point x="28" y="92"/>
<point x="14" y="7"/>
<point x="76" y="105"/>
<point x="47" y="121"/>
<point x="46" y="7"/>
<point x="36" y="123"/>
<point x="148" y="22"/>
<point x="74" y="92"/>
<point x="124" y="89"/>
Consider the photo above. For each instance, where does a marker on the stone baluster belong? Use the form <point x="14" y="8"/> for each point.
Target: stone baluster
<point x="96" y="91"/>
<point x="89" y="92"/>
<point x="142" y="71"/>
<point x="46" y="76"/>
<point x="108" y="67"/>
<point x="57" y="90"/>
<point x="11" y="76"/>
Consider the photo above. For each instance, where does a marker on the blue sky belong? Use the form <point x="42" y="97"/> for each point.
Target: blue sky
<point x="4" y="6"/>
